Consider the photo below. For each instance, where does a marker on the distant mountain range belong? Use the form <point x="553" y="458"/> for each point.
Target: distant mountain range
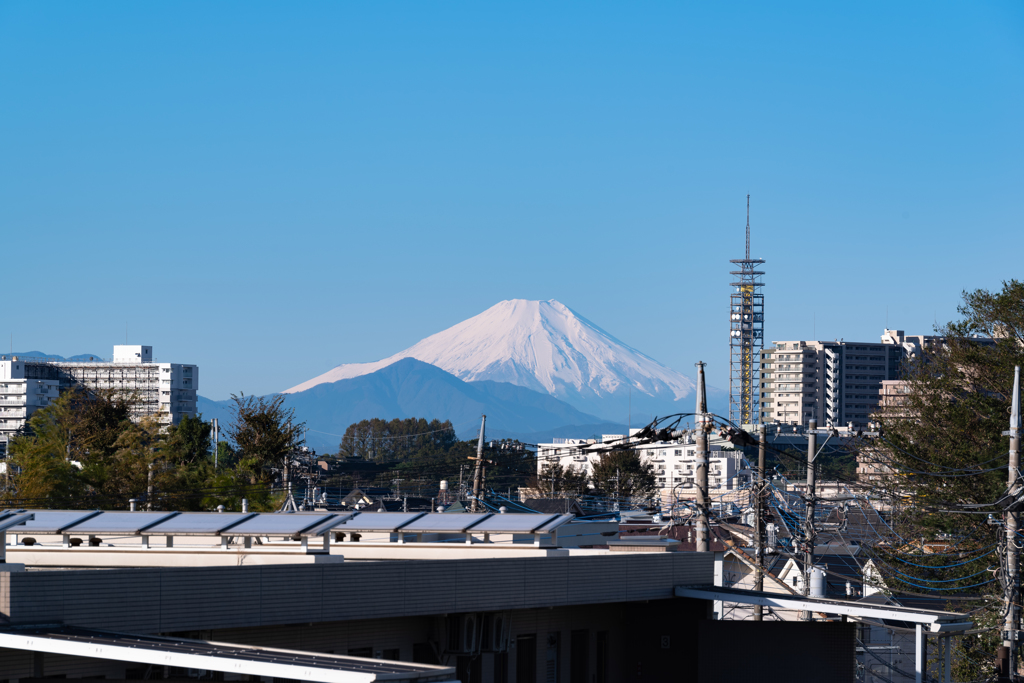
<point x="537" y="369"/>
<point x="548" y="347"/>
<point x="50" y="356"/>
<point x="412" y="388"/>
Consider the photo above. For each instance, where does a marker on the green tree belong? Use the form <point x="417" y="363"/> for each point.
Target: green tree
<point x="513" y="464"/>
<point x="561" y="482"/>
<point x="265" y="432"/>
<point x="125" y="473"/>
<point x="75" y="440"/>
<point x="950" y="422"/>
<point x="396" y="440"/>
<point x="188" y="442"/>
<point x="625" y="473"/>
<point x="41" y="472"/>
<point x="227" y="456"/>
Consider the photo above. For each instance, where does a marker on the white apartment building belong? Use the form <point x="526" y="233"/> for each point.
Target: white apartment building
<point x="674" y="463"/>
<point x="167" y="390"/>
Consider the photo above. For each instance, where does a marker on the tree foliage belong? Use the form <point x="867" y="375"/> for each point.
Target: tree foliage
<point x="85" y="451"/>
<point x="945" y="445"/>
<point x="624" y="473"/>
<point x="397" y="440"/>
<point x="188" y="442"/>
<point x="561" y="482"/>
<point x="422" y="453"/>
<point x="265" y="432"/>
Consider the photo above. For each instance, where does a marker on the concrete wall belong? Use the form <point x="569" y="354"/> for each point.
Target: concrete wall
<point x="180" y="599"/>
<point x="389" y="607"/>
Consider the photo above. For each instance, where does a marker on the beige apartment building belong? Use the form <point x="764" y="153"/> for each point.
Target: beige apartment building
<point x="836" y="383"/>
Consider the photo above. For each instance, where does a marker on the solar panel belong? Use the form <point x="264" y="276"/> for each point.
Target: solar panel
<point x="7" y="514"/>
<point x="198" y="523"/>
<point x="118" y="522"/>
<point x="378" y="521"/>
<point x="513" y="523"/>
<point x="52" y="521"/>
<point x="445" y="522"/>
<point x="278" y="524"/>
<point x="14" y="520"/>
<point x="558" y="521"/>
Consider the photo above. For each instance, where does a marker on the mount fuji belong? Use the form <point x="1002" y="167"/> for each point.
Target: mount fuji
<point x="549" y="348"/>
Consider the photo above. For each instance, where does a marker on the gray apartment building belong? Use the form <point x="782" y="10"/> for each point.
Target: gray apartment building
<point x="835" y="383"/>
<point x="838" y="382"/>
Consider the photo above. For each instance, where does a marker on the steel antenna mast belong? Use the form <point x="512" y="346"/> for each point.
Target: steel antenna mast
<point x="748" y="227"/>
<point x="746" y="337"/>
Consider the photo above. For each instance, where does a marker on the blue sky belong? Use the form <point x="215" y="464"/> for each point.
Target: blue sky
<point x="271" y="189"/>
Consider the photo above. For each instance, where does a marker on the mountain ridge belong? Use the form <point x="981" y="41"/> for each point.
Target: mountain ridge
<point x="412" y="388"/>
<point x="547" y="347"/>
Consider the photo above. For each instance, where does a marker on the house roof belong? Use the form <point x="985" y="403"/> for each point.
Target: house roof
<point x="856" y="524"/>
<point x="684" y="533"/>
<point x="555" y="506"/>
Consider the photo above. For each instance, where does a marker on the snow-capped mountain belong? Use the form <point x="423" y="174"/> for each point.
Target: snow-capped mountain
<point x="547" y="347"/>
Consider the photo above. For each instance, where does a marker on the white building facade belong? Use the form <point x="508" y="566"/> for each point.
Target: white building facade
<point x="674" y="463"/>
<point x="166" y="390"/>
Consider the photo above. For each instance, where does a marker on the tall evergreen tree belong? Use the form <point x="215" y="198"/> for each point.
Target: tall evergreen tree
<point x="624" y="473"/>
<point x="265" y="433"/>
<point x="944" y="443"/>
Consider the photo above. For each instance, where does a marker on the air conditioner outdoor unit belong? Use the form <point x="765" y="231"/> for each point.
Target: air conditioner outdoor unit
<point x="463" y="633"/>
<point x="496" y="629"/>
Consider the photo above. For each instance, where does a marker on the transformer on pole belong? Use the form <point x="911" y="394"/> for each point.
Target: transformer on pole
<point x="746" y="338"/>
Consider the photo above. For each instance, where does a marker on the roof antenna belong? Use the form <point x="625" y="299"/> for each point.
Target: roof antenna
<point x="748" y="227"/>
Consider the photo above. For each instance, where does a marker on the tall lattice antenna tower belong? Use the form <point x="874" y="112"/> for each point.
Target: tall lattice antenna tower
<point x="746" y="338"/>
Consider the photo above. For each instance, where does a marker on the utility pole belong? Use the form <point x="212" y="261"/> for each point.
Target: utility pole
<point x="1011" y="592"/>
<point x="809" y="530"/>
<point x="215" y="429"/>
<point x="703" y="423"/>
<point x="759" y="491"/>
<point x="477" y="476"/>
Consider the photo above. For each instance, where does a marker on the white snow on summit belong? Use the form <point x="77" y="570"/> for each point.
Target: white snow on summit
<point x="541" y="345"/>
